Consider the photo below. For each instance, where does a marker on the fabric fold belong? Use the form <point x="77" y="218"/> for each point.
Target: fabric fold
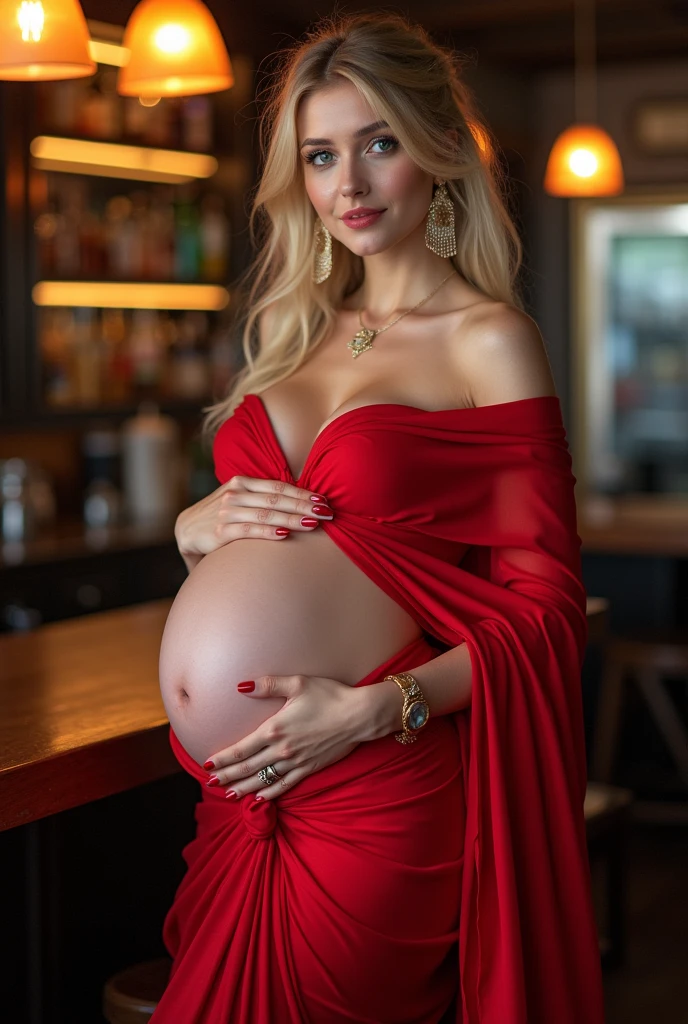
<point x="311" y="908"/>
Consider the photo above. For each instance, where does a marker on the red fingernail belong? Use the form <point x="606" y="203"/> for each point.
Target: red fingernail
<point x="230" y="795"/>
<point x="282" y="531"/>
<point x="246" y="687"/>
<point x="258" y="798"/>
<point x="213" y="781"/>
<point x="323" y="510"/>
<point x="308" y="521"/>
<point x="208" y="765"/>
<point x="318" y="497"/>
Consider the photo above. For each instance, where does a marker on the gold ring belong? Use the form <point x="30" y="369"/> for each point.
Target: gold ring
<point x="269" y="774"/>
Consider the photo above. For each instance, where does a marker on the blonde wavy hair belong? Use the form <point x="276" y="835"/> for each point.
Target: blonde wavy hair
<point x="412" y="83"/>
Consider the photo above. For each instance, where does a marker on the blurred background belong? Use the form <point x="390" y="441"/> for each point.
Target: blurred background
<point x="123" y="226"/>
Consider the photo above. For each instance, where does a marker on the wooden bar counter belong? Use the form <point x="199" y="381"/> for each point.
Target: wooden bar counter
<point x="635" y="525"/>
<point x="80" y="711"/>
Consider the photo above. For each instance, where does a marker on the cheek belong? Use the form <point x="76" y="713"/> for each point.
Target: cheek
<point x="320" y="195"/>
<point x="407" y="185"/>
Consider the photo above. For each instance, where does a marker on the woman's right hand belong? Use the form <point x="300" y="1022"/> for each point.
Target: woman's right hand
<point x="246" y="506"/>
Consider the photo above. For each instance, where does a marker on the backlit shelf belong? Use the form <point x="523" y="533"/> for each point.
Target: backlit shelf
<point x="116" y="160"/>
<point x="130" y="295"/>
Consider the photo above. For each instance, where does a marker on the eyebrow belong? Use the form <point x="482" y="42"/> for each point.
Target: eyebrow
<point x="375" y="126"/>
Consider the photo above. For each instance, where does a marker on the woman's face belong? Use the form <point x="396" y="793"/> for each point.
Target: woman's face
<point x="358" y="162"/>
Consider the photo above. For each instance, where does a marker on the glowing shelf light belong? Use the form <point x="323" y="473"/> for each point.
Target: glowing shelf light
<point x="130" y="295"/>
<point x="112" y="160"/>
<point x="103" y="52"/>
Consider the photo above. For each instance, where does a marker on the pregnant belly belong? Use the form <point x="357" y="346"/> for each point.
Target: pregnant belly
<point x="256" y="608"/>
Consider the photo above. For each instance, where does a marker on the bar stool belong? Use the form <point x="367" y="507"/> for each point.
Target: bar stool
<point x="131" y="995"/>
<point x="645" y="658"/>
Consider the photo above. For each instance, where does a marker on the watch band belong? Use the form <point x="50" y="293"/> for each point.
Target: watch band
<point x="416" y="710"/>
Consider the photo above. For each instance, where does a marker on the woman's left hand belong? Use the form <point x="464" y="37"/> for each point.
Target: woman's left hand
<point x="321" y="722"/>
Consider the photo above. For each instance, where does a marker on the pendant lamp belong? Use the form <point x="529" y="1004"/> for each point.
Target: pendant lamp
<point x="43" y="41"/>
<point x="584" y="160"/>
<point x="176" y="50"/>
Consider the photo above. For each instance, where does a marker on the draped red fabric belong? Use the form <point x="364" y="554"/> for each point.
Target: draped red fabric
<point x="465" y="517"/>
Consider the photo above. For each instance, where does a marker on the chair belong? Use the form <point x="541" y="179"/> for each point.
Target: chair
<point x="645" y="658"/>
<point x="607" y="812"/>
<point x="130" y="996"/>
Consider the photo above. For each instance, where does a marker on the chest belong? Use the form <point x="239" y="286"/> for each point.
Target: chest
<point x="411" y="370"/>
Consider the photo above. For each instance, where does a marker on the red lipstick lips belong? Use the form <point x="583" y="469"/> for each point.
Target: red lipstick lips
<point x="360" y="211"/>
<point x="362" y="217"/>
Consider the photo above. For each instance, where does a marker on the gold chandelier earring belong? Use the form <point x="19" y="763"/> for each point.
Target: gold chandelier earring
<point x="440" y="228"/>
<point x="322" y="252"/>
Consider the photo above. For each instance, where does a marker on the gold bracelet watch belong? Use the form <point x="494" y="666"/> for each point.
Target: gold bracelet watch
<point x="416" y="710"/>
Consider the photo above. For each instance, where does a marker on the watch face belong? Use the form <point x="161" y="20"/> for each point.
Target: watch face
<point x="418" y="715"/>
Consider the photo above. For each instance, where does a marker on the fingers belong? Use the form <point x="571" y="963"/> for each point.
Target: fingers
<point x="261" y="511"/>
<point x="243" y="778"/>
<point x="268" y="791"/>
<point x="274" y="494"/>
<point x="272" y="792"/>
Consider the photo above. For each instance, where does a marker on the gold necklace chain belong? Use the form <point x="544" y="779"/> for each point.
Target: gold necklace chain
<point x="363" y="339"/>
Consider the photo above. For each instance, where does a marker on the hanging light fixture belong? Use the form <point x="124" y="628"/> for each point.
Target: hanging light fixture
<point x="44" y="40"/>
<point x="176" y="50"/>
<point x="584" y="160"/>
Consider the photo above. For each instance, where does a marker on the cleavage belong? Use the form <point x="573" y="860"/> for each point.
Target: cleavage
<point x="344" y="407"/>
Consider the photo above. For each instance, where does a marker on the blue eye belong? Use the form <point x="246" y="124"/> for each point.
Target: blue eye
<point x="310" y="157"/>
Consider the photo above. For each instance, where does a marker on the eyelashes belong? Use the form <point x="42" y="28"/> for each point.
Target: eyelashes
<point x="310" y="157"/>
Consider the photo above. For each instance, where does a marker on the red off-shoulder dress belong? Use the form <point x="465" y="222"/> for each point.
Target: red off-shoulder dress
<point x="403" y="880"/>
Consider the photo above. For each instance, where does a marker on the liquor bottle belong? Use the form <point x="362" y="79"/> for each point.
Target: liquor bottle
<point x="189" y="367"/>
<point x="45" y="229"/>
<point x="150" y="465"/>
<point x="67" y="236"/>
<point x="87" y="357"/>
<point x="197" y="124"/>
<point x="215" y="236"/>
<point x="161" y="236"/>
<point x="117" y="368"/>
<point x="187" y="242"/>
<point x="146" y="352"/>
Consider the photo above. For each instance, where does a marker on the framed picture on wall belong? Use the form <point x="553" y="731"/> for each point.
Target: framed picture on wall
<point x="630" y="343"/>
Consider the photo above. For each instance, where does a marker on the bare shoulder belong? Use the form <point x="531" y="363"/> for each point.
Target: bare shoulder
<point x="502" y="356"/>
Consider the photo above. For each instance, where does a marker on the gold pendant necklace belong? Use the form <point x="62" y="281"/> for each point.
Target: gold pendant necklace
<point x="362" y="341"/>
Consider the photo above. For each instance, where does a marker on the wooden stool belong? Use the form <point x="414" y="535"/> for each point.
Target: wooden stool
<point x="130" y="996"/>
<point x="606" y="819"/>
<point x="645" y="658"/>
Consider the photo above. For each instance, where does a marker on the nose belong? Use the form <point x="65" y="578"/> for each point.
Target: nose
<point x="352" y="182"/>
<point x="259" y="818"/>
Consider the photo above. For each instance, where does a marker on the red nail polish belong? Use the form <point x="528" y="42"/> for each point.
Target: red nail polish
<point x="318" y="497"/>
<point x="247" y="687"/>
<point x="208" y="765"/>
<point x="213" y="781"/>
<point x="282" y="531"/>
<point x="323" y="510"/>
<point x="230" y="795"/>
<point x="258" y="798"/>
<point x="308" y="521"/>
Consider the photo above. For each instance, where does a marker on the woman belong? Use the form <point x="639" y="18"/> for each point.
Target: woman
<point x="391" y="827"/>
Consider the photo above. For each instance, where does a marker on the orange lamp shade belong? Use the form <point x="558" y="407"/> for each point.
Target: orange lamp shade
<point x="175" y="50"/>
<point x="43" y="40"/>
<point x="584" y="161"/>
